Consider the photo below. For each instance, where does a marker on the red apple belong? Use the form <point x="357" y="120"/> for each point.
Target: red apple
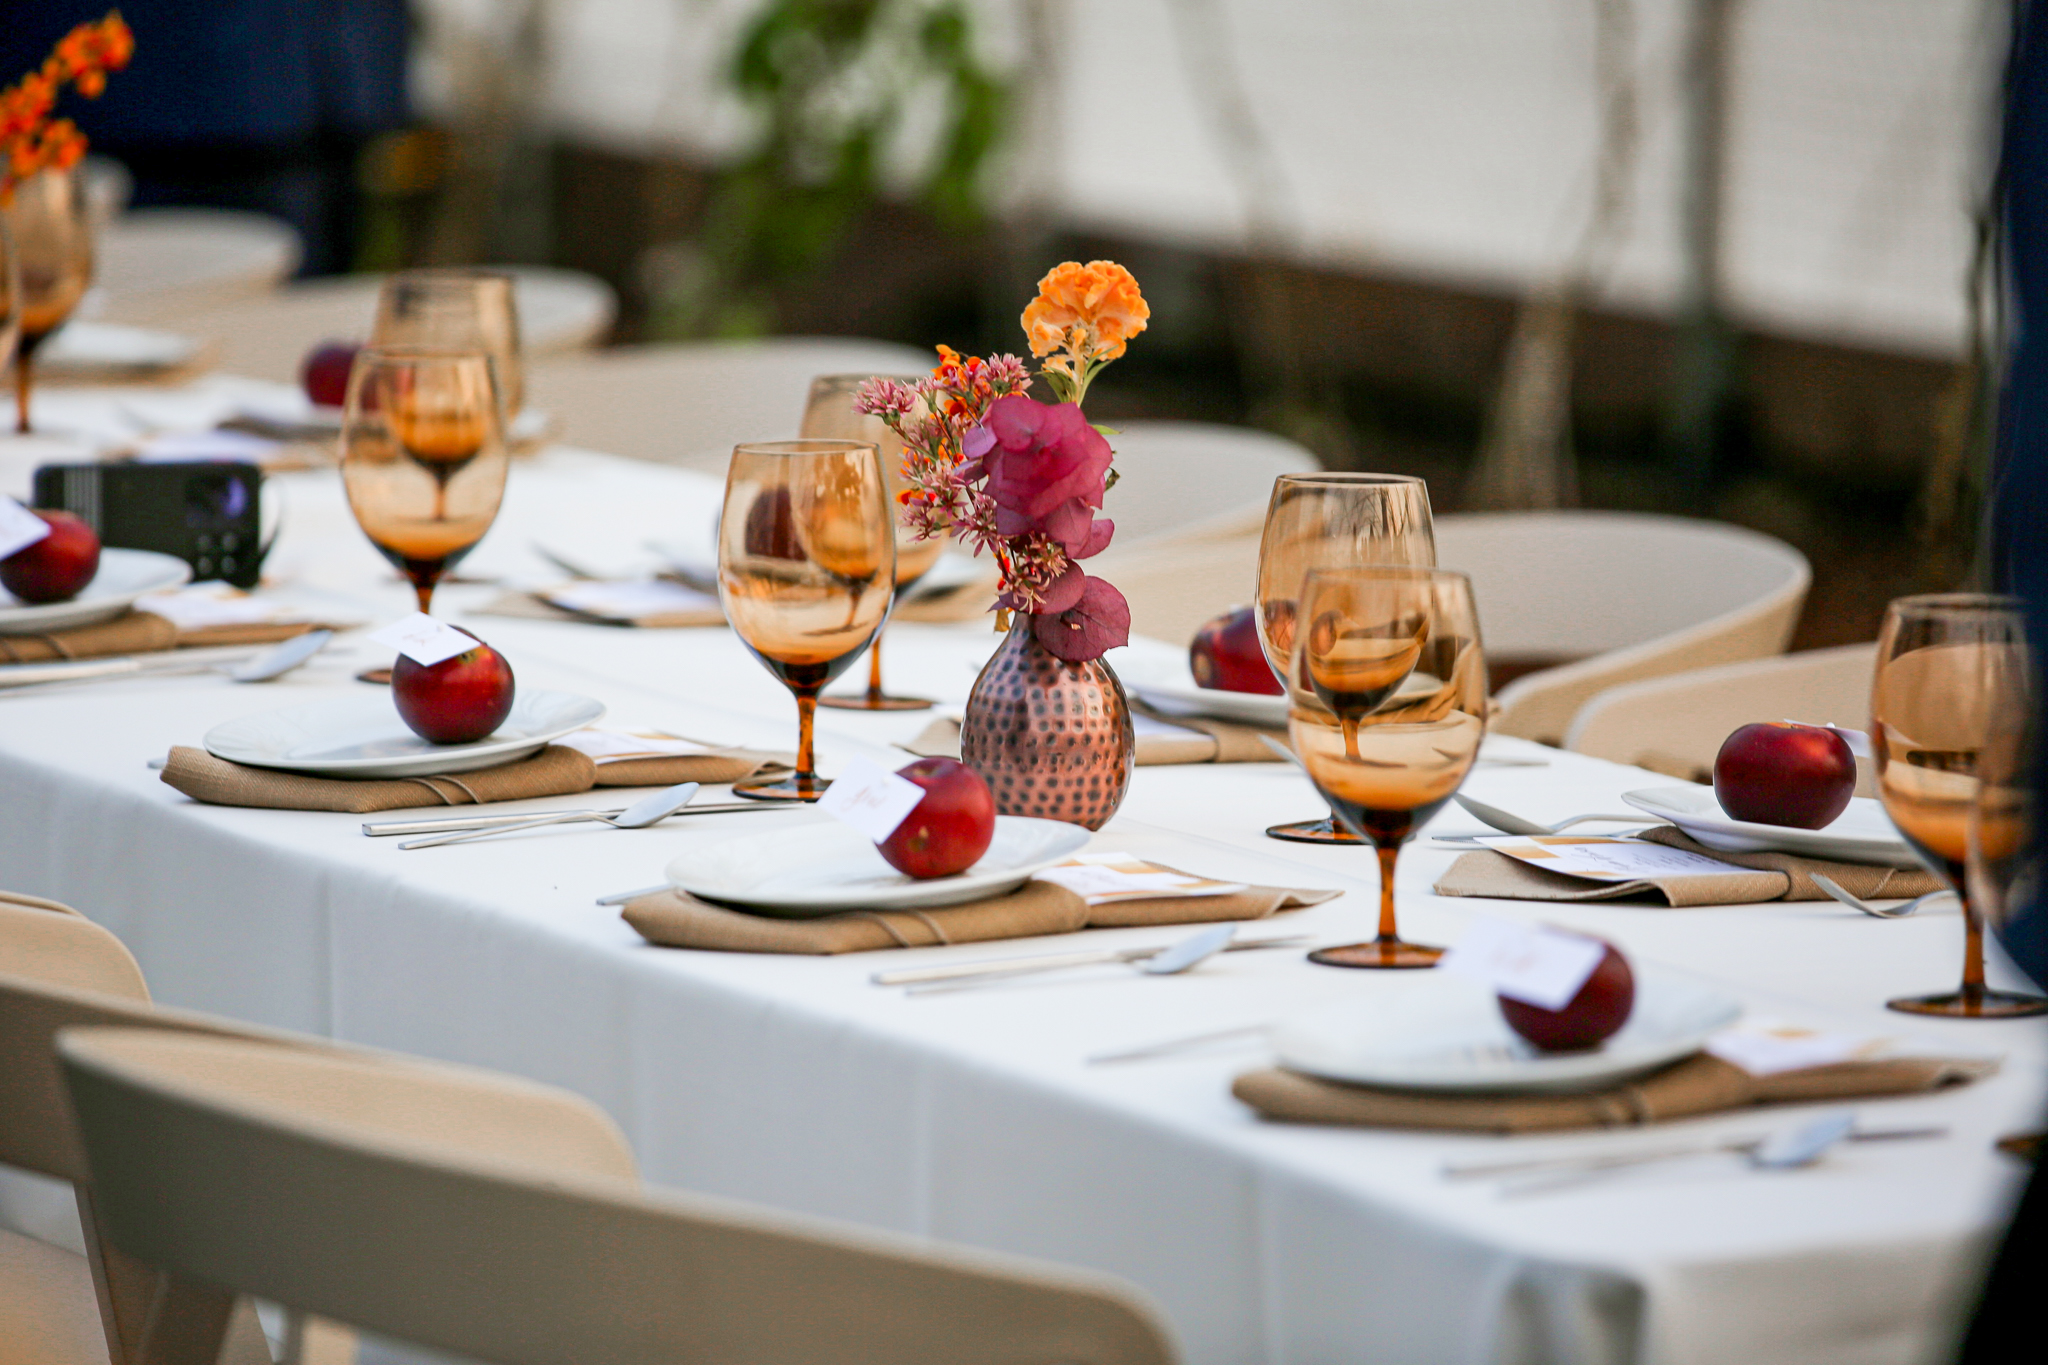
<point x="56" y="566"/>
<point x="325" y="373"/>
<point x="1226" y="656"/>
<point x="456" y="700"/>
<point x="1778" y="773"/>
<point x="1588" y="1019"/>
<point x="950" y="829"/>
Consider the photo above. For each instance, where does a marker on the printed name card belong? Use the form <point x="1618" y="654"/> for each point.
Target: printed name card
<point x="1100" y="878"/>
<point x="1536" y="965"/>
<point x="870" y="798"/>
<point x="19" y="528"/>
<point x="1764" y="1047"/>
<point x="1608" y="860"/>
<point x="424" y="640"/>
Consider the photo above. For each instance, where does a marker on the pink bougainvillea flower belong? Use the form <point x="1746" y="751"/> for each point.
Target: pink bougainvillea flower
<point x="1045" y="467"/>
<point x="1099" y="620"/>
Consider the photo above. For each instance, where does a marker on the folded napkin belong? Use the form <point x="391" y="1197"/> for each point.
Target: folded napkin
<point x="627" y="759"/>
<point x="1207" y="741"/>
<point x="1777" y="876"/>
<point x="139" y="632"/>
<point x="676" y="919"/>
<point x="1701" y="1084"/>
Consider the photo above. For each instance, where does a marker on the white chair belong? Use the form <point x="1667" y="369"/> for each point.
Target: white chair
<point x="690" y="403"/>
<point x="1189" y="482"/>
<point x="1597" y="599"/>
<point x="1676" y="724"/>
<point x="498" y="1219"/>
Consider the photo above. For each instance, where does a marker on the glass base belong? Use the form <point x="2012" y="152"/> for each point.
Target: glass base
<point x="1393" y="953"/>
<point x="1323" y="831"/>
<point x="864" y="702"/>
<point x="790" y="788"/>
<point x="380" y="676"/>
<point x="1981" y="1004"/>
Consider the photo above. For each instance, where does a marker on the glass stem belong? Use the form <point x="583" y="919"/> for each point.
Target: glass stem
<point x="1973" y="951"/>
<point x="21" y="378"/>
<point x="424" y="590"/>
<point x="875" y="669"/>
<point x="806" y="713"/>
<point x="1388" y="854"/>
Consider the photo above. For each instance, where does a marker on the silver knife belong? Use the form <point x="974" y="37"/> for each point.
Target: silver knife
<point x="1048" y="962"/>
<point x="449" y="824"/>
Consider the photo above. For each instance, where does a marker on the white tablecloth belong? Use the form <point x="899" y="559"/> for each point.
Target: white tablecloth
<point x="972" y="1116"/>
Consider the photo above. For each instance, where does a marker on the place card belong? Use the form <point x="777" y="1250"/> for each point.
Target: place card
<point x="629" y="601"/>
<point x="1764" y="1047"/>
<point x="1601" y="859"/>
<point x="214" y="604"/>
<point x="613" y="746"/>
<point x="870" y="798"/>
<point x="1100" y="878"/>
<point x="19" y="528"/>
<point x="424" y="640"/>
<point x="1537" y="965"/>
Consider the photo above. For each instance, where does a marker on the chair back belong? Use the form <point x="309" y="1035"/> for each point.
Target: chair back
<point x="446" y="1227"/>
<point x="1676" y="724"/>
<point x="1179" y="481"/>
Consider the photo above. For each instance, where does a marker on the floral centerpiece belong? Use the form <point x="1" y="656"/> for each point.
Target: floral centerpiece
<point x="1021" y="480"/>
<point x="31" y="140"/>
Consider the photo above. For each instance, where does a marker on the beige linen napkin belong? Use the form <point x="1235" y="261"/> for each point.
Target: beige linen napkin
<point x="1778" y="876"/>
<point x="710" y="768"/>
<point x="554" y="771"/>
<point x="1701" y="1084"/>
<point x="137" y="632"/>
<point x="1215" y="741"/>
<point x="675" y="919"/>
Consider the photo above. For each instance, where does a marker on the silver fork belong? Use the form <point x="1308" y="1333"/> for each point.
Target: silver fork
<point x="1829" y="885"/>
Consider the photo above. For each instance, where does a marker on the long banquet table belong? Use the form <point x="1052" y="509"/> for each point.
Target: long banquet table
<point x="972" y="1116"/>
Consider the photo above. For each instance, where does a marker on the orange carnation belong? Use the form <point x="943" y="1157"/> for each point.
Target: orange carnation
<point x="1100" y="299"/>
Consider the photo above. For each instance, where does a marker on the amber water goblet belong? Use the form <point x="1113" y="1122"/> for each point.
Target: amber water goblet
<point x="1952" y="677"/>
<point x="1389" y="665"/>
<point x="423" y="456"/>
<point x="52" y="236"/>
<point x="1324" y="520"/>
<point x="460" y="309"/>
<point x="10" y="296"/>
<point x="829" y="414"/>
<point x="806" y="565"/>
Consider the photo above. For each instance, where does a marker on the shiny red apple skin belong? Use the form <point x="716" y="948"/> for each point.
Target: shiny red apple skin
<point x="457" y="700"/>
<point x="950" y="829"/>
<point x="1589" y="1019"/>
<point x="56" y="567"/>
<point x="1226" y="656"/>
<point x="1778" y="773"/>
<point x="325" y="373"/>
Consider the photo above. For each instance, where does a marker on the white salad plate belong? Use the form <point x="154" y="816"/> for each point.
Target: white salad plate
<point x="1861" y="834"/>
<point x="124" y="575"/>
<point x="818" y="868"/>
<point x="1161" y="678"/>
<point x="363" y="737"/>
<point x="1441" y="1032"/>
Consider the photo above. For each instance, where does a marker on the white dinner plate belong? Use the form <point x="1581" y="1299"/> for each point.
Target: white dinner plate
<point x="1436" y="1031"/>
<point x="363" y="737"/>
<point x="950" y="572"/>
<point x="1861" y="834"/>
<point x="1160" y="677"/>
<point x="812" y="869"/>
<point x="124" y="575"/>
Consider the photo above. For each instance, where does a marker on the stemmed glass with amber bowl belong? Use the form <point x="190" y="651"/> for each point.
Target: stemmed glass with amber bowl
<point x="1386" y="707"/>
<point x="461" y="309"/>
<point x="52" y="237"/>
<point x="1953" y="683"/>
<point x="829" y="414"/>
<point x="806" y="565"/>
<point x="1323" y="520"/>
<point x="423" y="456"/>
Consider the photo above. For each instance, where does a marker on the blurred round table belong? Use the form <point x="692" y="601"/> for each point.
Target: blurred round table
<point x="161" y="264"/>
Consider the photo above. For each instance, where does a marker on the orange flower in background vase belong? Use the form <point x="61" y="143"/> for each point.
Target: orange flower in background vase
<point x="30" y="140"/>
<point x="1082" y="319"/>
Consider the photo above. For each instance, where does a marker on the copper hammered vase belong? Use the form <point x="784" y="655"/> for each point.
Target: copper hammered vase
<point x="1052" y="739"/>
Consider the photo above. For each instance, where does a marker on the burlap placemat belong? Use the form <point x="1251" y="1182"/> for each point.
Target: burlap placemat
<point x="1701" y="1084"/>
<point x="554" y="771"/>
<point x="1215" y="742"/>
<point x="138" y="632"/>
<point x="1778" y="876"/>
<point x="675" y="919"/>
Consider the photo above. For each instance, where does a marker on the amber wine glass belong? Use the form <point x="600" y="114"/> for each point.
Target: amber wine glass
<point x="468" y="310"/>
<point x="53" y="253"/>
<point x="829" y="414"/>
<point x="1392" y="661"/>
<point x="806" y="564"/>
<point x="423" y="456"/>
<point x="1317" y="521"/>
<point x="1952" y="670"/>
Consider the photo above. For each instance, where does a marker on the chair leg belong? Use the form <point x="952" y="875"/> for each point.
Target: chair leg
<point x="125" y="1286"/>
<point x="188" y="1323"/>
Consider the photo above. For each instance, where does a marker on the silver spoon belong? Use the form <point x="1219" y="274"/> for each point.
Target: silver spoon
<point x="1833" y="888"/>
<point x="1509" y="823"/>
<point x="648" y="810"/>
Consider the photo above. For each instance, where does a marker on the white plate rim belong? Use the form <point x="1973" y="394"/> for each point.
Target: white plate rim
<point x="1145" y="673"/>
<point x="1717" y="830"/>
<point x="906" y="895"/>
<point x="89" y="608"/>
<point x="223" y="741"/>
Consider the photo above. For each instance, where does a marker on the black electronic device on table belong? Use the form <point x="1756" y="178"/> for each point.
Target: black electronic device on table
<point x="206" y="512"/>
